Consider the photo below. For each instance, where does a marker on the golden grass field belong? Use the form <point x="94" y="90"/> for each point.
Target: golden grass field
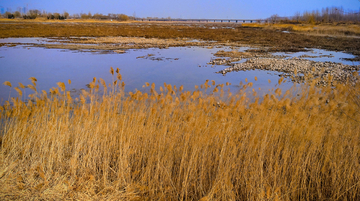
<point x="170" y="144"/>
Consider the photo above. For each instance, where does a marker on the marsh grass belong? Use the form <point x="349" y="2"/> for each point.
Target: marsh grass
<point x="262" y="35"/>
<point x="170" y="144"/>
<point x="320" y="29"/>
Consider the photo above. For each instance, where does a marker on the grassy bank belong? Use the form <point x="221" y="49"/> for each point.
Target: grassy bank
<point x="169" y="144"/>
<point x="344" y="30"/>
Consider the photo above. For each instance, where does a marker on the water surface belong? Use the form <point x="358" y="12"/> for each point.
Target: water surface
<point x="185" y="66"/>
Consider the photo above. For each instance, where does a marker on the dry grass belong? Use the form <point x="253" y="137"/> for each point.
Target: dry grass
<point x="240" y="35"/>
<point x="233" y="53"/>
<point x="333" y="29"/>
<point x="321" y="29"/>
<point x="116" y="43"/>
<point x="174" y="145"/>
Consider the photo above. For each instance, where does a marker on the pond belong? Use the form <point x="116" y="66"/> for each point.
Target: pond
<point x="185" y="66"/>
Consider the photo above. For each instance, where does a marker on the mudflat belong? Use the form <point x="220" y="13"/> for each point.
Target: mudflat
<point x="275" y="38"/>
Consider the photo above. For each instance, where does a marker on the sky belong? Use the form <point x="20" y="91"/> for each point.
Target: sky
<point x="187" y="9"/>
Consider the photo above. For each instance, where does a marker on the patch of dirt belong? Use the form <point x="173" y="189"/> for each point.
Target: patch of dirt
<point x="118" y="44"/>
<point x="233" y="53"/>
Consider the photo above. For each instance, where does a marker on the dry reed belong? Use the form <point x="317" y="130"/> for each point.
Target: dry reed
<point x="181" y="145"/>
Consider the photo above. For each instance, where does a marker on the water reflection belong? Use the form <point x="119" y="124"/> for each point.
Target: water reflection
<point x="322" y="56"/>
<point x="185" y="66"/>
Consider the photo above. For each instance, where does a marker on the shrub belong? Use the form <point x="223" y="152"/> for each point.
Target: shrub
<point x="123" y="17"/>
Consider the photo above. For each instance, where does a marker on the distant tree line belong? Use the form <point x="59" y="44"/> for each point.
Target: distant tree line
<point x="33" y="14"/>
<point x="326" y="15"/>
<point x="99" y="16"/>
<point x="57" y="16"/>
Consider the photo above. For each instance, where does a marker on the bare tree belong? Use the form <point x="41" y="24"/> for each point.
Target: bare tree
<point x="76" y="16"/>
<point x="123" y="17"/>
<point x="329" y="14"/>
<point x="66" y="15"/>
<point x="8" y="15"/>
<point x="297" y="16"/>
<point x="274" y="18"/>
<point x="50" y="16"/>
<point x="17" y="14"/>
<point x="34" y="13"/>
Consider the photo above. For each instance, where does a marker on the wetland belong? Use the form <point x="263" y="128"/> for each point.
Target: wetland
<point x="178" y="111"/>
<point x="174" y="61"/>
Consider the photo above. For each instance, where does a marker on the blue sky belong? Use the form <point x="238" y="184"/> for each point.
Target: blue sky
<point x="226" y="9"/>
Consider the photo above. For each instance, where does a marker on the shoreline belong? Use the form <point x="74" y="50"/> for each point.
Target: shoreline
<point x="274" y="36"/>
<point x="260" y="58"/>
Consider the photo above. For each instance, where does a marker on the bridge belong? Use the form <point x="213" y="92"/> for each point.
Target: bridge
<point x="205" y="20"/>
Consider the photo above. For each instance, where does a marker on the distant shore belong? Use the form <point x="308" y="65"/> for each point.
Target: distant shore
<point x="279" y="37"/>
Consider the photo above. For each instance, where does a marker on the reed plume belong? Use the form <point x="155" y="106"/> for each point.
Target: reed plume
<point x="300" y="144"/>
<point x="7" y="83"/>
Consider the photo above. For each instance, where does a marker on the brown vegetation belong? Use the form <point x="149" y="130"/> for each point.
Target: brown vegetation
<point x="118" y="43"/>
<point x="338" y="30"/>
<point x="236" y="35"/>
<point x="233" y="54"/>
<point x="174" y="145"/>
